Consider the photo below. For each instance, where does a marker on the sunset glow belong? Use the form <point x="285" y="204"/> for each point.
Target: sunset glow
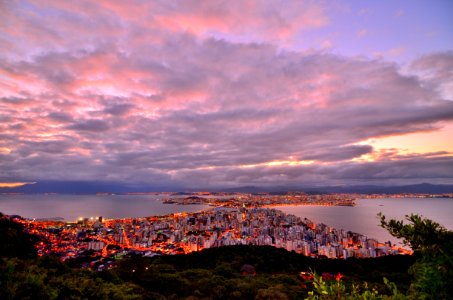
<point x="280" y="163"/>
<point x="420" y="142"/>
<point x="14" y="184"/>
<point x="226" y="93"/>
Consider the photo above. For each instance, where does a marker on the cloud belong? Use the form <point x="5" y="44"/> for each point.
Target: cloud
<point x="419" y="167"/>
<point x="435" y="69"/>
<point x="118" y="109"/>
<point x="436" y="170"/>
<point x="59" y="116"/>
<point x="362" y="33"/>
<point x="364" y="11"/>
<point x="327" y="44"/>
<point x="89" y="125"/>
<point x="339" y="154"/>
<point x="50" y="24"/>
<point x="14" y="184"/>
<point x="188" y="95"/>
<point x="396" y="51"/>
<point x="399" y="13"/>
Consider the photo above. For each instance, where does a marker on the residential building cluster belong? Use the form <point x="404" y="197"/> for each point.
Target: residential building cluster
<point x="217" y="227"/>
<point x="257" y="200"/>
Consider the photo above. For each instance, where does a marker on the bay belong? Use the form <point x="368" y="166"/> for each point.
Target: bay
<point x="363" y="219"/>
<point x="72" y="207"/>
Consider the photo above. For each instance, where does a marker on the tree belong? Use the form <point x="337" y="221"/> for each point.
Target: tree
<point x="15" y="241"/>
<point x="336" y="290"/>
<point x="433" y="245"/>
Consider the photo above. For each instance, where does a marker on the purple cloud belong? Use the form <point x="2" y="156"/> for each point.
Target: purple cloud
<point x="198" y="94"/>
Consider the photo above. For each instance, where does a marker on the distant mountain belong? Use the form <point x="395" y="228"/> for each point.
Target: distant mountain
<point x="79" y="187"/>
<point x="424" y="188"/>
<point x="83" y="187"/>
<point x="272" y="190"/>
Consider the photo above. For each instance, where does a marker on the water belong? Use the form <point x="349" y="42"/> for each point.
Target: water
<point x="72" y="207"/>
<point x="360" y="218"/>
<point x="363" y="219"/>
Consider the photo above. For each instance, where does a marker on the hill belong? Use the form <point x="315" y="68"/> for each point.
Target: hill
<point x="82" y="187"/>
<point x="235" y="272"/>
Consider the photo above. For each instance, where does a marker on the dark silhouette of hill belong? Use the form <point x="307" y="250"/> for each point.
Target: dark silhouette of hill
<point x="82" y="187"/>
<point x="15" y="241"/>
<point x="88" y="187"/>
<point x="424" y="188"/>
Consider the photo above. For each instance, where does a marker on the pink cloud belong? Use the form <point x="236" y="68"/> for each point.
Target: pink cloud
<point x="69" y="24"/>
<point x="164" y="91"/>
<point x="362" y="33"/>
<point x="262" y="19"/>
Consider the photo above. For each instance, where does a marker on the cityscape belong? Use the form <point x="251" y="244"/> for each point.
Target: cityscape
<point x="214" y="149"/>
<point x="242" y="219"/>
<point x="233" y="219"/>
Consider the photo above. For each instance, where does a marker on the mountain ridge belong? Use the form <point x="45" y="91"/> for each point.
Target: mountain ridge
<point x="81" y="187"/>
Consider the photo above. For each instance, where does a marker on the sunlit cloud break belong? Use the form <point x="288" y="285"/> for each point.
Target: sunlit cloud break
<point x="14" y="184"/>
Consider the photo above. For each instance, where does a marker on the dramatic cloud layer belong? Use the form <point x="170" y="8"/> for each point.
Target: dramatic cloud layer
<point x="193" y="93"/>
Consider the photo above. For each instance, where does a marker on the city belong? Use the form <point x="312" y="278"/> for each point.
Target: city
<point x="162" y="149"/>
<point x="102" y="241"/>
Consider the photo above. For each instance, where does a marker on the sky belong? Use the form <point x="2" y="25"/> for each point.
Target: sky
<point x="226" y="93"/>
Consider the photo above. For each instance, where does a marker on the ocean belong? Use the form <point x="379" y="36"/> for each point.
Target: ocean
<point x="361" y="218"/>
<point x="72" y="207"/>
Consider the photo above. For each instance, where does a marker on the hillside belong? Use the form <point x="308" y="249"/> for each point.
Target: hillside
<point x="235" y="272"/>
<point x="232" y="272"/>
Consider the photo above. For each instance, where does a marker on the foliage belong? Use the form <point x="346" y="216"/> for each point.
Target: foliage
<point x="15" y="241"/>
<point x="421" y="234"/>
<point x="337" y="290"/>
<point x="433" y="246"/>
<point x="216" y="273"/>
<point x="41" y="279"/>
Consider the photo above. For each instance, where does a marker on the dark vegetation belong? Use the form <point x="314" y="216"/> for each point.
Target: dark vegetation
<point x="219" y="272"/>
<point x="14" y="242"/>
<point x="433" y="247"/>
<point x="237" y="272"/>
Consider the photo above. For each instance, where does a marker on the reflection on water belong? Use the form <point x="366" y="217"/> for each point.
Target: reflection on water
<point x="71" y="207"/>
<point x="362" y="218"/>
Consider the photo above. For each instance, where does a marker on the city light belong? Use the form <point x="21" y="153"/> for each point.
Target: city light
<point x="241" y="220"/>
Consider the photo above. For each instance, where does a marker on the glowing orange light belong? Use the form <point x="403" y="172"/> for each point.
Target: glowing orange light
<point x="14" y="184"/>
<point x="279" y="163"/>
